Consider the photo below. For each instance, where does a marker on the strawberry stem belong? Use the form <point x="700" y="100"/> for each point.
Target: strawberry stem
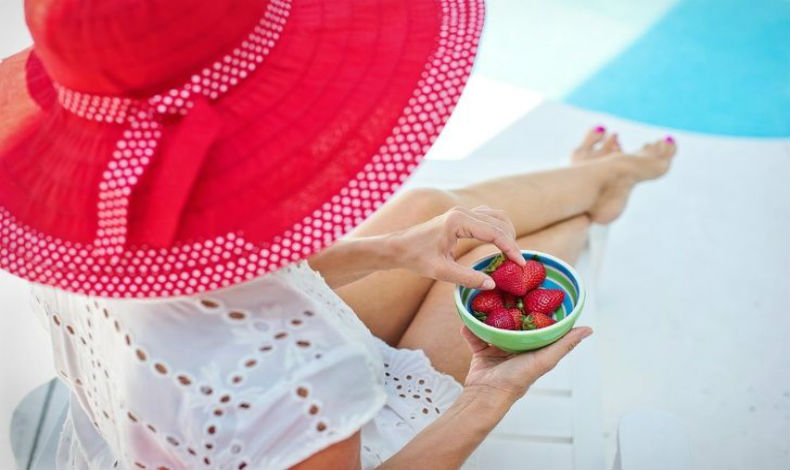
<point x="527" y="323"/>
<point x="494" y="264"/>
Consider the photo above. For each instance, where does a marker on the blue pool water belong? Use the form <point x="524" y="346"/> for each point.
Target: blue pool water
<point x="711" y="66"/>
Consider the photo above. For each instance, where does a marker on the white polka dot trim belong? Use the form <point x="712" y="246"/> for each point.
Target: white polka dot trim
<point x="134" y="151"/>
<point x="108" y="268"/>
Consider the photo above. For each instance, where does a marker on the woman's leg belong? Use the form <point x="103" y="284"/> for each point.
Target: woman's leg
<point x="597" y="184"/>
<point x="434" y="328"/>
<point x="387" y="301"/>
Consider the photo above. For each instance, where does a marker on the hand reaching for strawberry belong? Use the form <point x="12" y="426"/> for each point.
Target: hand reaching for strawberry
<point x="506" y="377"/>
<point x="428" y="248"/>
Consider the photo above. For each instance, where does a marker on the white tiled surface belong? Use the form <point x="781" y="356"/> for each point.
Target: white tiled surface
<point x="540" y="416"/>
<point x="25" y="358"/>
<point x="693" y="305"/>
<point x="25" y="355"/>
<point x="693" y="292"/>
<point x="505" y="453"/>
<point x="13" y="32"/>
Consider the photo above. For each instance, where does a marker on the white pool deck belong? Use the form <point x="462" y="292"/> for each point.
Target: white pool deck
<point x="692" y="299"/>
<point x="693" y="292"/>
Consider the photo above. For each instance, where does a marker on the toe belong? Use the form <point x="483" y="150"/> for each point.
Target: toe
<point x="593" y="136"/>
<point x="610" y="144"/>
<point x="652" y="148"/>
<point x="664" y="148"/>
<point x="669" y="145"/>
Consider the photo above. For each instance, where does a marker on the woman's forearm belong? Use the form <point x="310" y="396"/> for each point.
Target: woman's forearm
<point x="354" y="258"/>
<point x="447" y="442"/>
<point x="427" y="249"/>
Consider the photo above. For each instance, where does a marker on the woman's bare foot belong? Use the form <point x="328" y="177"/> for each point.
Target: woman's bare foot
<point x="651" y="162"/>
<point x="597" y="143"/>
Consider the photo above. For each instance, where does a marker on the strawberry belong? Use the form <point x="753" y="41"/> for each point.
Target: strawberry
<point x="501" y="319"/>
<point x="543" y="300"/>
<point x="509" y="277"/>
<point x="517" y="316"/>
<point x="487" y="301"/>
<point x="535" y="273"/>
<point x="537" y="320"/>
<point x="512" y="278"/>
<point x="508" y="300"/>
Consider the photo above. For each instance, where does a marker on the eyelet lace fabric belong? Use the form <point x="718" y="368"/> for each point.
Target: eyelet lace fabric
<point x="260" y="375"/>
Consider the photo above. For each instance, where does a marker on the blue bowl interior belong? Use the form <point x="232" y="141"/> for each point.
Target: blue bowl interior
<point x="558" y="276"/>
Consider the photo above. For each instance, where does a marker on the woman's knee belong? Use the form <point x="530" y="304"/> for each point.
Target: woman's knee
<point x="426" y="203"/>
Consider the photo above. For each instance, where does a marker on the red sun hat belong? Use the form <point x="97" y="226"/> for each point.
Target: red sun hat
<point x="164" y="148"/>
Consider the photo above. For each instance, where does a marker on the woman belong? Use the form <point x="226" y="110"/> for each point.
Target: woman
<point x="165" y="170"/>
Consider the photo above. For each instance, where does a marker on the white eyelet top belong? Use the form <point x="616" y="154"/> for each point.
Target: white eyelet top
<point x="259" y="375"/>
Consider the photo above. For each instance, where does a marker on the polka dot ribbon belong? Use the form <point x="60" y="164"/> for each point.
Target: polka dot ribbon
<point x="139" y="141"/>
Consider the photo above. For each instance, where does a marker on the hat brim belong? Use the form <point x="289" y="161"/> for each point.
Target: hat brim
<point x="320" y="135"/>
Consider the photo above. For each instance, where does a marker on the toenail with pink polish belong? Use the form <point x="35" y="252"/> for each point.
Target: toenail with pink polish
<point x="600" y="129"/>
<point x="668" y="139"/>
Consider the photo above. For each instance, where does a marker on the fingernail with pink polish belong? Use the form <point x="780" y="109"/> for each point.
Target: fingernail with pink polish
<point x="600" y="129"/>
<point x="489" y="284"/>
<point x="668" y="139"/>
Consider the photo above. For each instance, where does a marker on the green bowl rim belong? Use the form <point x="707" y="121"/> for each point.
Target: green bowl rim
<point x="541" y="331"/>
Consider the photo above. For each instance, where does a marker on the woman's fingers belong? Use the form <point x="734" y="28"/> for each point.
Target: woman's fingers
<point x="497" y="214"/>
<point x="451" y="271"/>
<point x="499" y="219"/>
<point x="484" y="224"/>
<point x="545" y="359"/>
<point x="478" y="227"/>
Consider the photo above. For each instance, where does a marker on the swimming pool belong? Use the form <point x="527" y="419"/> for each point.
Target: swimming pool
<point x="709" y="66"/>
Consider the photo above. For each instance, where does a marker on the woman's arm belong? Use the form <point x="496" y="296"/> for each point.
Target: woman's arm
<point x="426" y="248"/>
<point x="351" y="259"/>
<point x="444" y="444"/>
<point x="447" y="442"/>
<point x="495" y="381"/>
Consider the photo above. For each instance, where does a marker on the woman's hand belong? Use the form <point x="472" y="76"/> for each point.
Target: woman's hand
<point x="428" y="248"/>
<point x="495" y="373"/>
<point x="496" y="379"/>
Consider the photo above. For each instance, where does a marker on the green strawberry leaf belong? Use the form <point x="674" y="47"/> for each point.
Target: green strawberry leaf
<point x="520" y="305"/>
<point x="527" y="323"/>
<point x="494" y="264"/>
<point x="480" y="316"/>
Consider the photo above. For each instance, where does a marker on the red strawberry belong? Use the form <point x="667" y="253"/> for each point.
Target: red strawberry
<point x="487" y="301"/>
<point x="510" y="278"/>
<point x="514" y="279"/>
<point x="508" y="300"/>
<point x="535" y="273"/>
<point x="543" y="300"/>
<point x="537" y="320"/>
<point x="501" y="319"/>
<point x="517" y="316"/>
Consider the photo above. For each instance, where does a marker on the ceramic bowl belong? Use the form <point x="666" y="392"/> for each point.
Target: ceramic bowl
<point x="559" y="275"/>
